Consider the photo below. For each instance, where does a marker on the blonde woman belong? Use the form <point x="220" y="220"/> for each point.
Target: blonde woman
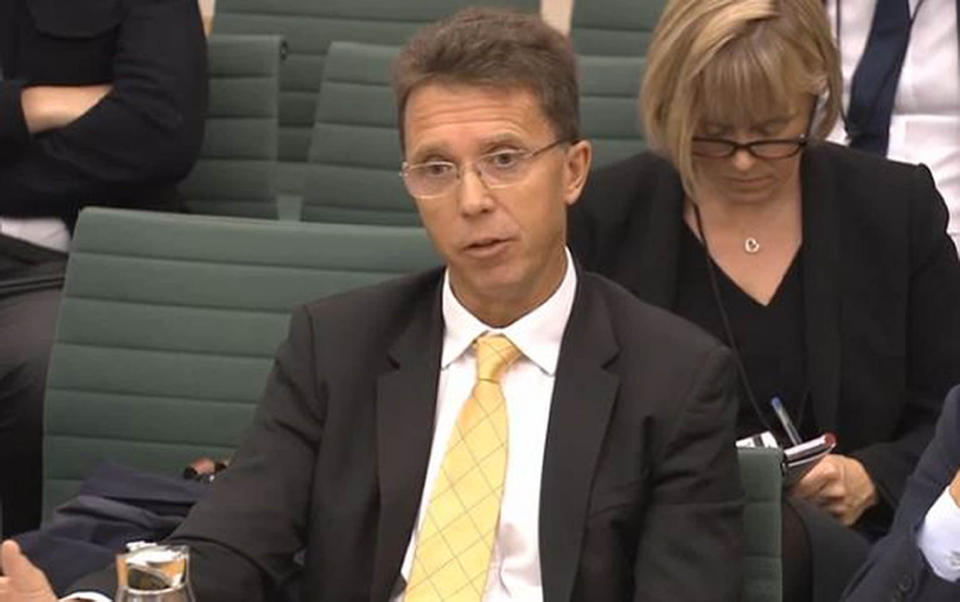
<point x="828" y="271"/>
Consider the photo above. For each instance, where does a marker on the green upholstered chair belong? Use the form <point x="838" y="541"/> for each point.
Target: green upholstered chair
<point x="614" y="27"/>
<point x="762" y="478"/>
<point x="309" y="26"/>
<point x="609" y="110"/>
<point x="169" y="322"/>
<point x="237" y="170"/>
<point x="353" y="173"/>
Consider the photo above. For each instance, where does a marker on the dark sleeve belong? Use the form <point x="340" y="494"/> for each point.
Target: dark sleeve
<point x="13" y="127"/>
<point x="896" y="568"/>
<point x="244" y="535"/>
<point x="597" y="222"/>
<point x="692" y="544"/>
<point x="581" y="229"/>
<point x="145" y="133"/>
<point x="932" y="340"/>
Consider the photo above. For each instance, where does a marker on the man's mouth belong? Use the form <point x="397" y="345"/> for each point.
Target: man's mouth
<point x="484" y="247"/>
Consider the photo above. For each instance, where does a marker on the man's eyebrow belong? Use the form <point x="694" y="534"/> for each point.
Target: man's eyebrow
<point x="439" y="149"/>
<point x="430" y="150"/>
<point x="502" y="139"/>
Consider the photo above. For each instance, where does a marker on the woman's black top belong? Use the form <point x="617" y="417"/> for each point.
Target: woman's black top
<point x="770" y="338"/>
<point x="880" y="289"/>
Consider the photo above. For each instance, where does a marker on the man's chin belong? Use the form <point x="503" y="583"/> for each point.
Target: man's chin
<point x="497" y="285"/>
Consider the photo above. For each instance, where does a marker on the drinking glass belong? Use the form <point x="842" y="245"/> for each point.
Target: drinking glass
<point x="154" y="573"/>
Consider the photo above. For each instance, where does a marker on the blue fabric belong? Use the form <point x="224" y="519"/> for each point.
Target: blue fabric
<point x="115" y="505"/>
<point x="875" y="81"/>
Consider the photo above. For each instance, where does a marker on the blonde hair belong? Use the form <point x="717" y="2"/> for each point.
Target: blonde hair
<point x="734" y="59"/>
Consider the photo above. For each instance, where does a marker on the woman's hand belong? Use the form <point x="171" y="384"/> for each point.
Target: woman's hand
<point x="840" y="485"/>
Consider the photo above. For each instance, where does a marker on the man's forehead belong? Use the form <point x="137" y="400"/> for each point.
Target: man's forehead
<point x="497" y="112"/>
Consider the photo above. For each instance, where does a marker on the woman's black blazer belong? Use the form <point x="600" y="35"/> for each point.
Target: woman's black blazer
<point x="881" y="285"/>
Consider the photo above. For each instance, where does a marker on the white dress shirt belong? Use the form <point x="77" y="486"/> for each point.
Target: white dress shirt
<point x="925" y="126"/>
<point x="528" y="389"/>
<point x="939" y="537"/>
<point x="49" y="232"/>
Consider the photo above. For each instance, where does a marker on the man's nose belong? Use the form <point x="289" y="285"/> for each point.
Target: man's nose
<point x="474" y="195"/>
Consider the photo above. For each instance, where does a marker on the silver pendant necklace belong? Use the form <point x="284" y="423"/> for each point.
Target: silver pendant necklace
<point x="751" y="246"/>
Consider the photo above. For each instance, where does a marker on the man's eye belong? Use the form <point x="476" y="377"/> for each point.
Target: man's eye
<point x="504" y="160"/>
<point x="436" y="170"/>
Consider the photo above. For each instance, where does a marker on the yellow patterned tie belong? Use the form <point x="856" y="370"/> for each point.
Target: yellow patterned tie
<point x="456" y="538"/>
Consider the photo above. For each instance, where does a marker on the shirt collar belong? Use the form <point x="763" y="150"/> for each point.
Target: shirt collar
<point x="537" y="334"/>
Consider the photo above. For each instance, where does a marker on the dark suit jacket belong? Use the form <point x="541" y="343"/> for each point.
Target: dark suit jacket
<point x="881" y="287"/>
<point x="132" y="147"/>
<point x="896" y="569"/>
<point x="640" y="496"/>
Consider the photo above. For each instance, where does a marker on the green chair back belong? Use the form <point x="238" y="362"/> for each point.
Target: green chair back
<point x="237" y="170"/>
<point x="169" y="322"/>
<point x="352" y="176"/>
<point x="609" y="108"/>
<point x="309" y="26"/>
<point x="614" y="27"/>
<point x="762" y="479"/>
<point x="353" y="173"/>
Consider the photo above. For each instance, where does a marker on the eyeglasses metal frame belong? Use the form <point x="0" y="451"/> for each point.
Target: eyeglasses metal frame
<point x="524" y="158"/>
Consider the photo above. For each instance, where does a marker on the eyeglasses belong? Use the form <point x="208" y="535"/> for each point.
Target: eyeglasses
<point x="498" y="169"/>
<point x="774" y="148"/>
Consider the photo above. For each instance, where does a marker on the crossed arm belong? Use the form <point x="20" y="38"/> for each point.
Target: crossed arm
<point x="65" y="146"/>
<point x="48" y="108"/>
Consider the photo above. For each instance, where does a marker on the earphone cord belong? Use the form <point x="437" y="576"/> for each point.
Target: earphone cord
<point x="738" y="359"/>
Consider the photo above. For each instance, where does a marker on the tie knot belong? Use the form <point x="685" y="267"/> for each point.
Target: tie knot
<point x="495" y="353"/>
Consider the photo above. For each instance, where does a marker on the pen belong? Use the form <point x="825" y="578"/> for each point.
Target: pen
<point x="785" y="421"/>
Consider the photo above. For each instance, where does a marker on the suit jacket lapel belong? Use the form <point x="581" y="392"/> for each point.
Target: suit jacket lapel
<point x="406" y="402"/>
<point x="821" y="288"/>
<point x="659" y="253"/>
<point x="583" y="398"/>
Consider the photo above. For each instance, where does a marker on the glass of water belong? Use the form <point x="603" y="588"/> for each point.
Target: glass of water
<point x="153" y="573"/>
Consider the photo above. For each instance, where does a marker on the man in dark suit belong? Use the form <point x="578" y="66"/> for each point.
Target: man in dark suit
<point x="587" y="438"/>
<point x="920" y="558"/>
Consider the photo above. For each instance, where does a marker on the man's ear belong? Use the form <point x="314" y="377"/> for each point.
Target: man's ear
<point x="576" y="168"/>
